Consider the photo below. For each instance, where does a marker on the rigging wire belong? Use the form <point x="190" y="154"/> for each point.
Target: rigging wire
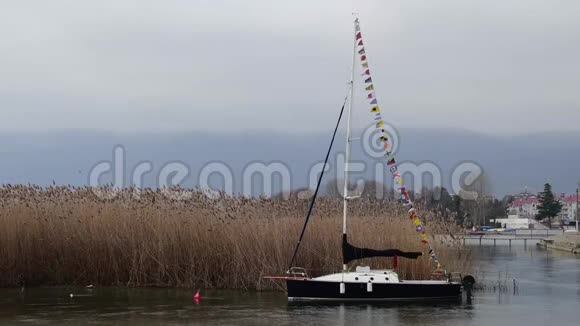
<point x="311" y="206"/>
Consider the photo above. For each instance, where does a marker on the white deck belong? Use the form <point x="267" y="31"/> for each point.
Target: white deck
<point x="376" y="276"/>
<point x="372" y="276"/>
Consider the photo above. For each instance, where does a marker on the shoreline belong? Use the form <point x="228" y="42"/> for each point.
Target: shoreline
<point x="564" y="242"/>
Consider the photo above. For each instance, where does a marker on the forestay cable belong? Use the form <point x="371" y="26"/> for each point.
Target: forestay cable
<point x="310" y="208"/>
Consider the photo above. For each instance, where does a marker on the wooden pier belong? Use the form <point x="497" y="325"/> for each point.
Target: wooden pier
<point x="502" y="238"/>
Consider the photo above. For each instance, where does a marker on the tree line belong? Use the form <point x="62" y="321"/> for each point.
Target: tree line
<point x="459" y="208"/>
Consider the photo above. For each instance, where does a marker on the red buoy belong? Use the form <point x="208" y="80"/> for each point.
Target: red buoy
<point x="197" y="296"/>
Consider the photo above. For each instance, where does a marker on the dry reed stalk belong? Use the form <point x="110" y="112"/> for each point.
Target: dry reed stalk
<point x="66" y="235"/>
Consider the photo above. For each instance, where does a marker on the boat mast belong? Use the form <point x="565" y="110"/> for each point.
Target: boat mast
<point x="348" y="138"/>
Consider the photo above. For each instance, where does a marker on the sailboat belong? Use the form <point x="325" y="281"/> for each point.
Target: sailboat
<point x="365" y="284"/>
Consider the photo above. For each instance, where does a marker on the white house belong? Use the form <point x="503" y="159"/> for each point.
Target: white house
<point x="522" y="211"/>
<point x="525" y="205"/>
<point x="569" y="208"/>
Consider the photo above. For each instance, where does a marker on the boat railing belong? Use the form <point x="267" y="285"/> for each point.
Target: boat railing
<point x="297" y="271"/>
<point x="436" y="276"/>
<point x="455" y="277"/>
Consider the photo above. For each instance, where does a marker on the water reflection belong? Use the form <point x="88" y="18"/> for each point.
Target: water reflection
<point x="388" y="313"/>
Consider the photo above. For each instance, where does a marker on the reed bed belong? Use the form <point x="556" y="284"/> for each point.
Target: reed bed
<point x="67" y="235"/>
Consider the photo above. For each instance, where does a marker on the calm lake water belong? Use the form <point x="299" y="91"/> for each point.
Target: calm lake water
<point x="548" y="294"/>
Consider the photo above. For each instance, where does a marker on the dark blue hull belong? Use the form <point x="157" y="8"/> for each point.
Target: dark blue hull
<point x="402" y="291"/>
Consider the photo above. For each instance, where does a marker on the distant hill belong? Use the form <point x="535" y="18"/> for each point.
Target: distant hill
<point x="510" y="162"/>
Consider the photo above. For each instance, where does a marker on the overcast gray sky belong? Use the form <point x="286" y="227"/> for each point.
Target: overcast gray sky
<point x="491" y="66"/>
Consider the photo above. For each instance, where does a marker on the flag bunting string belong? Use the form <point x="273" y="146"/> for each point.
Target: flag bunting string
<point x="400" y="189"/>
